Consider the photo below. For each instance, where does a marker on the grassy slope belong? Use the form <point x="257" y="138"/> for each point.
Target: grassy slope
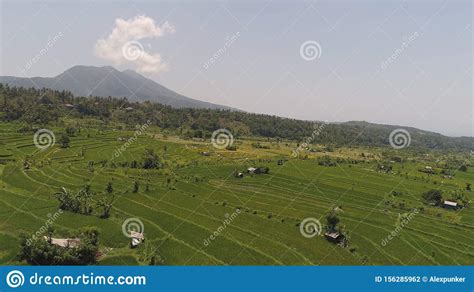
<point x="179" y="218"/>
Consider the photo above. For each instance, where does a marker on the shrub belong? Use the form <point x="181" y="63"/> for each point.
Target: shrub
<point x="433" y="197"/>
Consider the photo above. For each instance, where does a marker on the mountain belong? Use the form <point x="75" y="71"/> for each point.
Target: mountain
<point x="108" y="81"/>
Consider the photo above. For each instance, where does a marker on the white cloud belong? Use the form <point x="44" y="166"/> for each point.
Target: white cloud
<point x="122" y="44"/>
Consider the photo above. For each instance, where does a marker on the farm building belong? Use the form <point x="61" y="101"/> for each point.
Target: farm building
<point x="68" y="105"/>
<point x="334" y="236"/>
<point x="65" y="242"/>
<point x="137" y="238"/>
<point x="204" y="153"/>
<point x="258" y="170"/>
<point x="129" y="108"/>
<point x="450" y="205"/>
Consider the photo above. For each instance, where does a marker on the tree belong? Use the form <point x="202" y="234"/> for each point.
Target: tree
<point x="109" y="189"/>
<point x="71" y="131"/>
<point x="135" y="186"/>
<point x="463" y="168"/>
<point x="332" y="221"/>
<point x="106" y="205"/>
<point x="85" y="198"/>
<point x="261" y="170"/>
<point x="50" y="231"/>
<point x="67" y="200"/>
<point x="433" y="197"/>
<point x="64" y="141"/>
<point x="150" y="159"/>
<point x="80" y="202"/>
<point x="468" y="186"/>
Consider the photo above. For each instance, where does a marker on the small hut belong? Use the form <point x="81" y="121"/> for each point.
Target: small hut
<point x="334" y="236"/>
<point x="450" y="205"/>
<point x="65" y="242"/>
<point x="137" y="238"/>
<point x="251" y="170"/>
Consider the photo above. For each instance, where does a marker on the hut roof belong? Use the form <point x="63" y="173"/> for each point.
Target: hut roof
<point x="450" y="203"/>
<point x="66" y="242"/>
<point x="137" y="235"/>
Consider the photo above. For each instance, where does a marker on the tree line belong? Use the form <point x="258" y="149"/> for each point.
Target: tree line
<point x="43" y="106"/>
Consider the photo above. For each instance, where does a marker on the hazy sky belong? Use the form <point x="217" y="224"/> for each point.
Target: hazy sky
<point x="406" y="63"/>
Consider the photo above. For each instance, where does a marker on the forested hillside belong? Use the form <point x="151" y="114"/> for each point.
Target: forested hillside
<point x="39" y="107"/>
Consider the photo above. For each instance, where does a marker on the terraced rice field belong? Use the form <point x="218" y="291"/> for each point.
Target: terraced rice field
<point x="191" y="196"/>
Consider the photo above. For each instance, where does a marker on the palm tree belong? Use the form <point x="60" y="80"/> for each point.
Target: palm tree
<point x="64" y="197"/>
<point x="107" y="205"/>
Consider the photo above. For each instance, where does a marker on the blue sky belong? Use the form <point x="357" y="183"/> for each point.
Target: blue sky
<point x="394" y="62"/>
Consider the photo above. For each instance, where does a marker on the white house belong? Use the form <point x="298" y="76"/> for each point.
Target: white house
<point x="251" y="169"/>
<point x="137" y="238"/>
<point x="450" y="204"/>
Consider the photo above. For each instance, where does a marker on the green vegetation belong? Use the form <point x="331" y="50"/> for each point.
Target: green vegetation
<point x="433" y="197"/>
<point x="40" y="251"/>
<point x="39" y="107"/>
<point x="109" y="174"/>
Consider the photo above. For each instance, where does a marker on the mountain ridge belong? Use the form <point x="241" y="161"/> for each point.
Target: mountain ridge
<point x="106" y="81"/>
<point x="90" y="75"/>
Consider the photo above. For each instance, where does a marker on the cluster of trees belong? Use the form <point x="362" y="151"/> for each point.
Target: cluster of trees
<point x="84" y="201"/>
<point x="40" y="250"/>
<point x="43" y="106"/>
<point x="78" y="202"/>
<point x="433" y="197"/>
<point x="150" y="160"/>
<point x="326" y="161"/>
